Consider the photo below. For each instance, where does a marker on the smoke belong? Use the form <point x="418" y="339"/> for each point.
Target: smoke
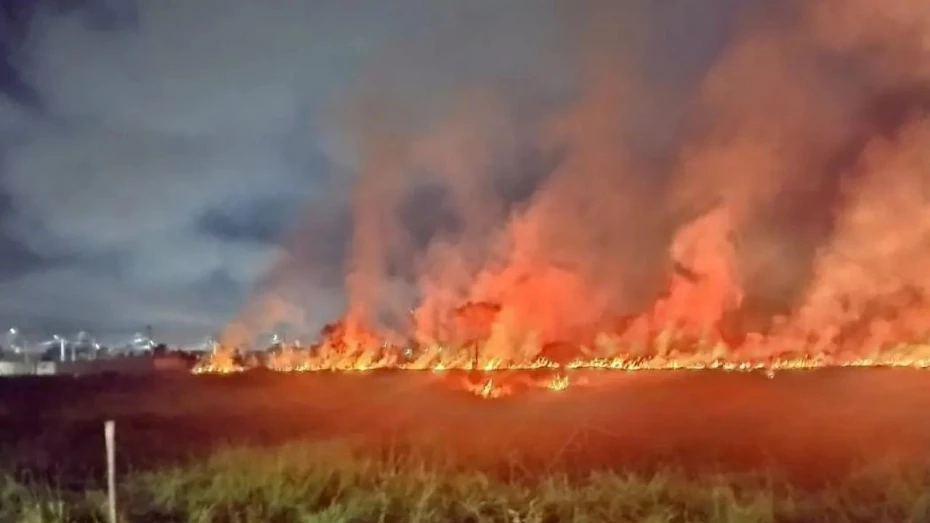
<point x="788" y="198"/>
<point x="870" y="282"/>
<point x="814" y="140"/>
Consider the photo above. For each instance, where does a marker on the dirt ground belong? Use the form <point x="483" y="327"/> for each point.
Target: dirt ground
<point x="811" y="426"/>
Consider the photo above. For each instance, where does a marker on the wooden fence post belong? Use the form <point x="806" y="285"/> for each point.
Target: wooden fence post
<point x="109" y="434"/>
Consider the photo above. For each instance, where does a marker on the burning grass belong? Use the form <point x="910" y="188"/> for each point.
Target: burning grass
<point x="439" y="359"/>
<point x="493" y="379"/>
<point x="338" y="481"/>
<point x="665" y="337"/>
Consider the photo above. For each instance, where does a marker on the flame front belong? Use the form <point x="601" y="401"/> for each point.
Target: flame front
<point x="682" y="331"/>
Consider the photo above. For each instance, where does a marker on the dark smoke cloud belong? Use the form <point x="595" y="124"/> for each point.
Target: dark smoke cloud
<point x="593" y="221"/>
<point x="773" y="205"/>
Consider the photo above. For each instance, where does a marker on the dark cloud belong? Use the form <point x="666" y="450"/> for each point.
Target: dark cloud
<point x="17" y="258"/>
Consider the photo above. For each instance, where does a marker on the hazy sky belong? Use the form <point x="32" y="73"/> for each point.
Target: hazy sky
<point x="157" y="153"/>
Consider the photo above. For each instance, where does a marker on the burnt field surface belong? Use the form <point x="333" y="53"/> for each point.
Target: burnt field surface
<point x="810" y="426"/>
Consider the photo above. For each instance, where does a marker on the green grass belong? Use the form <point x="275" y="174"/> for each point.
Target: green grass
<point x="338" y="483"/>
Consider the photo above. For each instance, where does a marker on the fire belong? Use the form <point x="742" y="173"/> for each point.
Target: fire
<point x="788" y="234"/>
<point x="618" y="363"/>
<point x="489" y="389"/>
<point x="219" y="362"/>
<point x="558" y="383"/>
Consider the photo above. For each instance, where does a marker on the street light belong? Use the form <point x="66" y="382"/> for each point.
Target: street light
<point x="11" y="339"/>
<point x="276" y="342"/>
<point x="61" y="346"/>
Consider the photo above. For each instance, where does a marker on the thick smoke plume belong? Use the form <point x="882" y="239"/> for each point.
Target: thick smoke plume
<point x="791" y="217"/>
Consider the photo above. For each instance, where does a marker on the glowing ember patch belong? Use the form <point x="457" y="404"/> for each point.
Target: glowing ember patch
<point x="559" y="383"/>
<point x="489" y="390"/>
<point x="208" y="367"/>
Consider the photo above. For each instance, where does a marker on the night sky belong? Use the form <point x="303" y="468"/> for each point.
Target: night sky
<point x="158" y="155"/>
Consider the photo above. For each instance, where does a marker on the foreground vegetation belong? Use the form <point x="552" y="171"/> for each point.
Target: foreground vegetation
<point x="339" y="483"/>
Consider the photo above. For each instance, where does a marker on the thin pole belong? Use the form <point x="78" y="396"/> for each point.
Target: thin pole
<point x="109" y="434"/>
